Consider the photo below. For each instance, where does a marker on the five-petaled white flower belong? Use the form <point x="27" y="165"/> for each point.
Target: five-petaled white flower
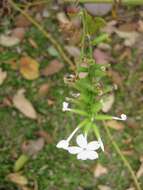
<point x="85" y="150"/>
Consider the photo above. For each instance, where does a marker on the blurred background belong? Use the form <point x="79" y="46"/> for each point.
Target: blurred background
<point x="39" y="43"/>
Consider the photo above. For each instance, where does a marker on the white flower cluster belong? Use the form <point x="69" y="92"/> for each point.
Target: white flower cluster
<point x="84" y="150"/>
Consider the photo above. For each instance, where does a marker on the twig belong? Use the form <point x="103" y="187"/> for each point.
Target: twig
<point x="126" y="2"/>
<point x="122" y="157"/>
<point x="46" y="34"/>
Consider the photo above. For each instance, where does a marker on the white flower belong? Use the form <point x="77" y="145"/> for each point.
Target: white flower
<point x="85" y="150"/>
<point x="65" y="106"/>
<point x="63" y="144"/>
<point x="123" y="117"/>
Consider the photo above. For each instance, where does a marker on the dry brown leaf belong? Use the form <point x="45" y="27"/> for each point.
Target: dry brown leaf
<point x="18" y="179"/>
<point x="3" y="75"/>
<point x="45" y="135"/>
<point x="54" y="67"/>
<point x="24" y="105"/>
<point x="99" y="170"/>
<point x="19" y="33"/>
<point x="115" y="125"/>
<point x="8" y="41"/>
<point x="116" y="77"/>
<point x="73" y="51"/>
<point x="43" y="90"/>
<point x="50" y="102"/>
<point x="129" y="37"/>
<point x="33" y="147"/>
<point x="140" y="26"/>
<point x="104" y="187"/>
<point x="101" y="57"/>
<point x="29" y="68"/>
<point x="108" y="102"/>
<point x="131" y="188"/>
<point x="128" y="152"/>
<point x="22" y="21"/>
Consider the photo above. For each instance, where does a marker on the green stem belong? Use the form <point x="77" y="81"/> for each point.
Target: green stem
<point x="123" y="158"/>
<point x="84" y="34"/>
<point x="126" y="2"/>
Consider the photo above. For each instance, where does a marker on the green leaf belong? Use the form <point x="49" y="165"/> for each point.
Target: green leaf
<point x="101" y="38"/>
<point x="103" y="117"/>
<point x="19" y="164"/>
<point x="80" y="112"/>
<point x="93" y="25"/>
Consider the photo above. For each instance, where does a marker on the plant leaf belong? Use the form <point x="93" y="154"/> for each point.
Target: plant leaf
<point x="24" y="105"/>
<point x="29" y="68"/>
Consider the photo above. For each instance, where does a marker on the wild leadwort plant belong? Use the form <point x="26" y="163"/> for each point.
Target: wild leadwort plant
<point x="87" y="101"/>
<point x="88" y="104"/>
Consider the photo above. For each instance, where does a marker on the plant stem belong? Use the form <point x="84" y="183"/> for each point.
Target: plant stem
<point x="122" y="157"/>
<point x="126" y="2"/>
<point x="46" y="34"/>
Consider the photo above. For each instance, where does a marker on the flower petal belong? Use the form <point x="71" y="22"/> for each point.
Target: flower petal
<point x="82" y="155"/>
<point x="91" y="155"/>
<point x="81" y="141"/>
<point x="74" y="149"/>
<point x="94" y="145"/>
<point x="101" y="144"/>
<point x="63" y="144"/>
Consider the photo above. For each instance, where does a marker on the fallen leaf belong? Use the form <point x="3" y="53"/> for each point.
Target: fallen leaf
<point x="24" y="105"/>
<point x="22" y="21"/>
<point x="98" y="9"/>
<point x="99" y="170"/>
<point x="115" y="77"/>
<point x="29" y="68"/>
<point x="128" y="27"/>
<point x="43" y="134"/>
<point x="104" y="187"/>
<point x="43" y="90"/>
<point x="110" y="27"/>
<point x="20" y="162"/>
<point x="115" y="125"/>
<point x="131" y="188"/>
<point x="19" y="33"/>
<point x="108" y="102"/>
<point x="18" y="179"/>
<point x="140" y="26"/>
<point x="73" y="51"/>
<point x="32" y="147"/>
<point x="62" y="18"/>
<point x="54" y="67"/>
<point x="100" y="56"/>
<point x="3" y="75"/>
<point x="8" y="41"/>
<point x="128" y="152"/>
<point x="50" y="102"/>
<point x="129" y="37"/>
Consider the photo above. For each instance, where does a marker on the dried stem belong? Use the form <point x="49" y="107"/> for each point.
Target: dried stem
<point x="46" y="34"/>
